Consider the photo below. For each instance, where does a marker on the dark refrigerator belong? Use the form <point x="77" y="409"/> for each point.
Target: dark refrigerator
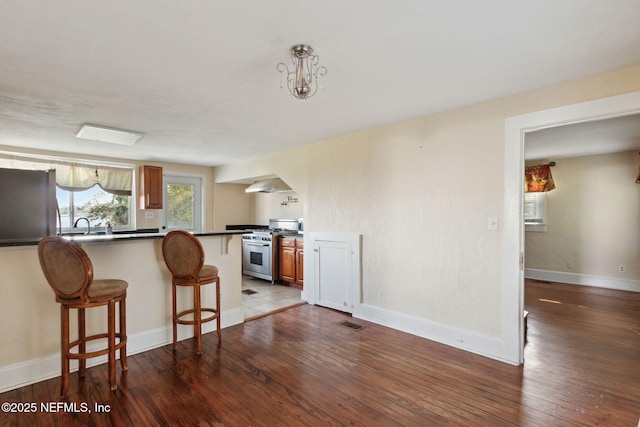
<point x="27" y="204"/>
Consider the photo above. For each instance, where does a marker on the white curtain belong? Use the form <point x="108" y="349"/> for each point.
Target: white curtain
<point x="73" y="176"/>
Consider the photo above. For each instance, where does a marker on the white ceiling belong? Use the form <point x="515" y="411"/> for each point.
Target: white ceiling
<point x="584" y="139"/>
<point x="199" y="77"/>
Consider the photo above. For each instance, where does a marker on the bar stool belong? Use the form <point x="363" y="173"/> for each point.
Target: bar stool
<point x="69" y="271"/>
<point x="184" y="257"/>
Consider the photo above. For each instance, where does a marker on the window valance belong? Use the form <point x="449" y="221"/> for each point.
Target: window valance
<point x="74" y="176"/>
<point x="538" y="178"/>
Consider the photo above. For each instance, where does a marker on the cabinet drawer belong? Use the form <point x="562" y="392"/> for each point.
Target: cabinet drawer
<point x="288" y="242"/>
<point x="299" y="244"/>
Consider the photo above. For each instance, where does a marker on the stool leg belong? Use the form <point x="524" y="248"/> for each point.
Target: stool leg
<point x="64" y="317"/>
<point x="82" y="347"/>
<point x="112" y="343"/>
<point x="218" y="305"/>
<point x="123" y="333"/>
<point x="197" y="316"/>
<point x="175" y="314"/>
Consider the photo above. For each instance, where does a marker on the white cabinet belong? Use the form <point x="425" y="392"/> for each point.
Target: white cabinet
<point x="336" y="259"/>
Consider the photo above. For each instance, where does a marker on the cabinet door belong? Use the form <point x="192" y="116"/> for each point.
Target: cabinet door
<point x="300" y="267"/>
<point x="287" y="264"/>
<point x="150" y="187"/>
<point x="333" y="279"/>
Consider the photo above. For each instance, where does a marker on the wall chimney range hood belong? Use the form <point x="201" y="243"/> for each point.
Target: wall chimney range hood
<point x="274" y="185"/>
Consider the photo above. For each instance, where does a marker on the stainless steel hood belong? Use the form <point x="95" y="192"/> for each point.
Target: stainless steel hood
<point x="274" y="185"/>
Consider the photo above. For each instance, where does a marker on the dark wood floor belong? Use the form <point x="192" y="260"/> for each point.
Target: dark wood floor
<point x="300" y="367"/>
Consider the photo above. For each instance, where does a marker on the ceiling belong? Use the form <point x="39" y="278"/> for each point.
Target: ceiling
<point x="584" y="139"/>
<point x="199" y="77"/>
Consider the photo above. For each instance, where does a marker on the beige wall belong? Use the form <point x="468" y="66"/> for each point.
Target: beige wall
<point x="269" y="205"/>
<point x="593" y="218"/>
<point x="421" y="192"/>
<point x="232" y="206"/>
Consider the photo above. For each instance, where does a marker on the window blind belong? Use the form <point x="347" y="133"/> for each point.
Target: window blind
<point x="535" y="208"/>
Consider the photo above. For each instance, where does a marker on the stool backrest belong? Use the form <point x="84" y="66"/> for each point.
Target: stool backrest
<point x="66" y="266"/>
<point x="183" y="254"/>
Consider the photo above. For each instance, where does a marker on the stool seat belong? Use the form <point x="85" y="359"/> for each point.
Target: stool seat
<point x="184" y="256"/>
<point x="69" y="271"/>
<point x="208" y="272"/>
<point x="107" y="289"/>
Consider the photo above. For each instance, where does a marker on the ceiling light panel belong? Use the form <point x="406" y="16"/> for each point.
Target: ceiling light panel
<point x="110" y="135"/>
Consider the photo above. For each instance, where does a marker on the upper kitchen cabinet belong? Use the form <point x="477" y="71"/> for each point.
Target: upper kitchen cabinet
<point x="150" y="187"/>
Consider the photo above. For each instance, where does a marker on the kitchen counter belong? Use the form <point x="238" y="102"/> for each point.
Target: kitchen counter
<point x="116" y="237"/>
<point x="28" y="303"/>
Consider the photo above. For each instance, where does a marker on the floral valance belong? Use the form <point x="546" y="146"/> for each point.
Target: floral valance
<point x="74" y="176"/>
<point x="538" y="179"/>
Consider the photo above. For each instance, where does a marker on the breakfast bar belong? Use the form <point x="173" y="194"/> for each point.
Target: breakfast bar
<point x="31" y="346"/>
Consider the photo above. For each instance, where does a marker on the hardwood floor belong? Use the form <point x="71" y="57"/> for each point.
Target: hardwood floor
<point x="301" y="367"/>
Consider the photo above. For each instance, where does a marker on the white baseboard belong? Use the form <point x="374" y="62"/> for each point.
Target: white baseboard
<point x="583" y="279"/>
<point x="44" y="368"/>
<point x="463" y="339"/>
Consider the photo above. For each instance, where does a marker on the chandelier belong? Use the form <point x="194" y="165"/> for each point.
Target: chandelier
<point x="302" y="81"/>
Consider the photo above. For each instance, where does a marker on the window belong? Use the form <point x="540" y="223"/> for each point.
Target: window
<point x="535" y="211"/>
<point x="182" y="203"/>
<point x="98" y="191"/>
<point x="95" y="204"/>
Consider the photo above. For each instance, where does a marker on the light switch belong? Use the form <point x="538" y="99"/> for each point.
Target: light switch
<point x="493" y="223"/>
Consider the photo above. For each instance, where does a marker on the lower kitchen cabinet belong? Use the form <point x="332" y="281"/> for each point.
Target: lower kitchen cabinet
<point x="291" y="255"/>
<point x="299" y="262"/>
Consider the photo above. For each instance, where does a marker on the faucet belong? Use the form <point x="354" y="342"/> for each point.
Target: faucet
<point x="75" y="224"/>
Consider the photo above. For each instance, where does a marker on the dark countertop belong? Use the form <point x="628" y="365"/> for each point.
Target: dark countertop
<point x="101" y="238"/>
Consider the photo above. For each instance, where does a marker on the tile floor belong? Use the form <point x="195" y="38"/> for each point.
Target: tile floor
<point x="267" y="298"/>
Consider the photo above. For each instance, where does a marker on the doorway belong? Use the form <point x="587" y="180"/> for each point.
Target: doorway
<point x="513" y="251"/>
<point x="182" y="203"/>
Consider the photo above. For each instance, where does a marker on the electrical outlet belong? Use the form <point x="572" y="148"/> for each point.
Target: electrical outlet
<point x="621" y="269"/>
<point x="148" y="215"/>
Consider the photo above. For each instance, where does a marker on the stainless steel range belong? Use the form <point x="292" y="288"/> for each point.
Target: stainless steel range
<point x="259" y="251"/>
<point x="257" y="255"/>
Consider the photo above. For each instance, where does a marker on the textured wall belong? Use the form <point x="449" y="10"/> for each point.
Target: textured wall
<point x="421" y="192"/>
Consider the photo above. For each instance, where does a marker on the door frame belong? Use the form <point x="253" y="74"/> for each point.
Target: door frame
<point x="516" y="128"/>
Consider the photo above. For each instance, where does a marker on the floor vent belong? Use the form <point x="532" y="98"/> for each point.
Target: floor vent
<point x="350" y="325"/>
<point x="249" y="292"/>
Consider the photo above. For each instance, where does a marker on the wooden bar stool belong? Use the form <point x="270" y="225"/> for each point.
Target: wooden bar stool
<point x="69" y="271"/>
<point x="184" y="257"/>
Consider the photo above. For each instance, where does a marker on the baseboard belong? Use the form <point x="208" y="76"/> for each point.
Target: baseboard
<point x="44" y="368"/>
<point x="583" y="279"/>
<point x="463" y="339"/>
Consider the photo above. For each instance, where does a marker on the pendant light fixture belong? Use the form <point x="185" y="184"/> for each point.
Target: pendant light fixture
<point x="302" y="81"/>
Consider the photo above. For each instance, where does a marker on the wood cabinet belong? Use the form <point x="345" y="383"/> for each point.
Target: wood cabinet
<point x="291" y="256"/>
<point x="150" y="187"/>
<point x="299" y="262"/>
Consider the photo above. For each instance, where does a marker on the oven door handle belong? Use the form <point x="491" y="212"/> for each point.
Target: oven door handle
<point x="257" y="244"/>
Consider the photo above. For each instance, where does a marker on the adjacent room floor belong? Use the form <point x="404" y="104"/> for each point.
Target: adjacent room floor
<point x="260" y="297"/>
